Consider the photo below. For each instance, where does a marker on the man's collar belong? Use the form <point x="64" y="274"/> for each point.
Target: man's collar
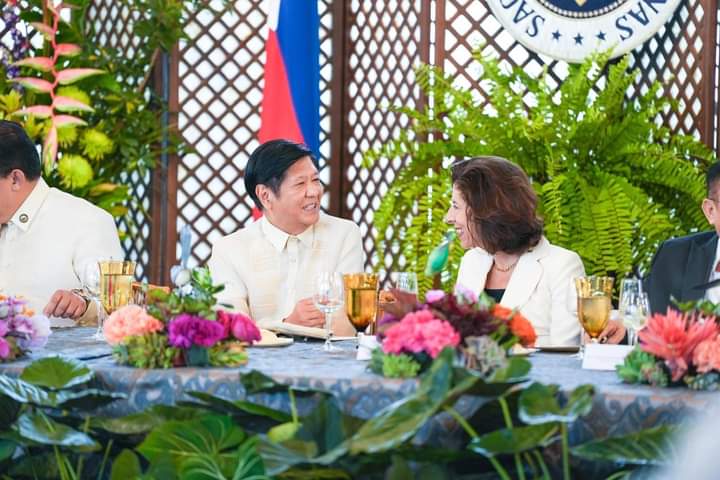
<point x="29" y="209"/>
<point x="278" y="238"/>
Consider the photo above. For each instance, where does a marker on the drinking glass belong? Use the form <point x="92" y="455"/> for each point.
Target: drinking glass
<point x="405" y="281"/>
<point x="328" y="298"/>
<point x="361" y="299"/>
<point x="634" y="307"/>
<point x="115" y="290"/>
<point x="91" y="286"/>
<point x="594" y="303"/>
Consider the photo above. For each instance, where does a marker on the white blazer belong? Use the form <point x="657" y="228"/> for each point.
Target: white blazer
<point x="541" y="287"/>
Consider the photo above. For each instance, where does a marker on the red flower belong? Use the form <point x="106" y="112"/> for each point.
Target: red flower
<point x="501" y="312"/>
<point x="523" y="329"/>
<point x="674" y="337"/>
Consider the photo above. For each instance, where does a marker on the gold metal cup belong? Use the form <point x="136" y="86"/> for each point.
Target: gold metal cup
<point x="361" y="300"/>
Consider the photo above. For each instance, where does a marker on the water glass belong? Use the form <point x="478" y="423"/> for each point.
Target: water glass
<point x="405" y="281"/>
<point x="634" y="307"/>
<point x="328" y="298"/>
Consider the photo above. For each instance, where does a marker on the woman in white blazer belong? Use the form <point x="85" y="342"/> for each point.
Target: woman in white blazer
<point x="493" y="212"/>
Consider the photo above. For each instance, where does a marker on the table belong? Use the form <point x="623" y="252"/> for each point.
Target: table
<point x="617" y="409"/>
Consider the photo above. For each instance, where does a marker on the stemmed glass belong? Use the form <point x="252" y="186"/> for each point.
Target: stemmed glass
<point x="405" y="281"/>
<point x="361" y="300"/>
<point x="328" y="298"/>
<point x="634" y="307"/>
<point x="91" y="286"/>
<point x="594" y="303"/>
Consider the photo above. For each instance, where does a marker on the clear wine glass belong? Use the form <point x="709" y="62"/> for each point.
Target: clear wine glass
<point x="328" y="298"/>
<point x="405" y="281"/>
<point x="634" y="308"/>
<point x="91" y="286"/>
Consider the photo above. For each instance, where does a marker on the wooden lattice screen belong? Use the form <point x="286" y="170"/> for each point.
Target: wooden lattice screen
<point x="369" y="50"/>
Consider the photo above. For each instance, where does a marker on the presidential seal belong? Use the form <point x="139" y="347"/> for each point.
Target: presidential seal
<point x="572" y="29"/>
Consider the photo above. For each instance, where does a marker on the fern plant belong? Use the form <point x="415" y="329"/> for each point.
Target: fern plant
<point x="612" y="181"/>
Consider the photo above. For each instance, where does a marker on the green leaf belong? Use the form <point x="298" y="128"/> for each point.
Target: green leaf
<point x="23" y="392"/>
<point x="87" y="400"/>
<point x="257" y="382"/>
<point x="57" y="372"/>
<point x="212" y="437"/>
<point x="126" y="466"/>
<point x="283" y="432"/>
<point x="42" y="429"/>
<point x="539" y="405"/>
<point x="7" y="449"/>
<point x="514" y="440"/>
<point x="652" y="446"/>
<point x="144" y="422"/>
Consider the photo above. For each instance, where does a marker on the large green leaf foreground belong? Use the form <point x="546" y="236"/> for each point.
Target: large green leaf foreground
<point x="50" y="427"/>
<point x="612" y="182"/>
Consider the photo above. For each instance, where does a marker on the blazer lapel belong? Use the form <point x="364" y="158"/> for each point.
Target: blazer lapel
<point x="525" y="278"/>
<point x="697" y="271"/>
<point x="479" y="272"/>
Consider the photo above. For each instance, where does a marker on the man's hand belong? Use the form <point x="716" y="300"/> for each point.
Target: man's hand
<point x="66" y="304"/>
<point x="397" y="302"/>
<point x="306" y="314"/>
<point x="613" y="333"/>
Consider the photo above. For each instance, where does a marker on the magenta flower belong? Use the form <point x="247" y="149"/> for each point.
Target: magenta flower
<point x="239" y="326"/>
<point x="187" y="330"/>
<point x="4" y="348"/>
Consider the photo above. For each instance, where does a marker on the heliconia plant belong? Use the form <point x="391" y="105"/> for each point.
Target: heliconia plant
<point x="57" y="112"/>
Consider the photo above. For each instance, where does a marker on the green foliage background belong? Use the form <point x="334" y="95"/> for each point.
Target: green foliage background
<point x="124" y="133"/>
<point x="612" y="181"/>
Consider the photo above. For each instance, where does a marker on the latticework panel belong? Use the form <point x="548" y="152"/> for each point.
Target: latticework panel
<point x="673" y="56"/>
<point x="221" y="82"/>
<point x="111" y="25"/>
<point x="383" y="49"/>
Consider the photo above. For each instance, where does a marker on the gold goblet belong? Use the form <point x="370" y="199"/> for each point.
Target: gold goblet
<point x="361" y="300"/>
<point x="594" y="304"/>
<point x="116" y="278"/>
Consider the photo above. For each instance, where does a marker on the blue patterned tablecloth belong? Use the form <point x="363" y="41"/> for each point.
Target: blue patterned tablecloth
<point x="617" y="409"/>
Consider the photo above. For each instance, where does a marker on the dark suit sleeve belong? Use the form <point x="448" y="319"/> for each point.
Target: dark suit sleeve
<point x="659" y="282"/>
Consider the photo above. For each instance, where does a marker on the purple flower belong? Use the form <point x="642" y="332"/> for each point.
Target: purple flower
<point x="4" y="348"/>
<point x="465" y="295"/>
<point x="187" y="330"/>
<point x="3" y="328"/>
<point x="433" y="296"/>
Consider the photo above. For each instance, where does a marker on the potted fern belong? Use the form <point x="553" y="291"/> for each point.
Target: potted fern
<point x="613" y="182"/>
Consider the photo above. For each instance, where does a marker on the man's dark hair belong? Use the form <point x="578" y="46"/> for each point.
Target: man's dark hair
<point x="17" y="151"/>
<point x="269" y="163"/>
<point x="711" y="179"/>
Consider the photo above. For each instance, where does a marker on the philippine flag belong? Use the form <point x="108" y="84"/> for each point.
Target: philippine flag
<point x="291" y="97"/>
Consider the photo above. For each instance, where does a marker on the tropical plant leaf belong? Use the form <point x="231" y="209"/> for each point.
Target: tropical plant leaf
<point x="212" y="438"/>
<point x="72" y="75"/>
<point x="67" y="104"/>
<point x="68" y="49"/>
<point x="35" y="84"/>
<point x="538" y="404"/>
<point x="43" y="64"/>
<point x="514" y="440"/>
<point x="57" y="372"/>
<point x="126" y="466"/>
<point x="652" y="446"/>
<point x="42" y="429"/>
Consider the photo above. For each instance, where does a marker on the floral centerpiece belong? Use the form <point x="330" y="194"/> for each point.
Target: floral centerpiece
<point x="183" y="327"/>
<point x="20" y="329"/>
<point x="481" y="330"/>
<point x="677" y="348"/>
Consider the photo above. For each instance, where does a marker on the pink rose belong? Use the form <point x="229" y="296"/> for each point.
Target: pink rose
<point x="129" y="321"/>
<point x="241" y="326"/>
